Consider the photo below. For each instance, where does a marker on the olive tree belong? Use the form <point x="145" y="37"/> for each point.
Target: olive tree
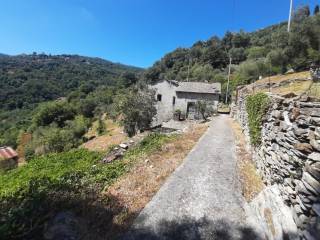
<point x="138" y="110"/>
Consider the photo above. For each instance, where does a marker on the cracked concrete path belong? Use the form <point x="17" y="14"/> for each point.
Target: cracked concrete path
<point x="202" y="198"/>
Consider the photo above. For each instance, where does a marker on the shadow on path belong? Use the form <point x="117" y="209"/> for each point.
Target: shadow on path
<point x="190" y="229"/>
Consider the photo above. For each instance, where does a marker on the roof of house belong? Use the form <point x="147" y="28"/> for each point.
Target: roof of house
<point x="199" y="87"/>
<point x="7" y="153"/>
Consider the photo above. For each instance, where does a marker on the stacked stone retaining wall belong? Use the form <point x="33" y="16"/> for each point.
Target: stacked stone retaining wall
<point x="289" y="156"/>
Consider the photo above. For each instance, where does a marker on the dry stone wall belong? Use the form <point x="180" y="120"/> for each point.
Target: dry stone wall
<point x="289" y="156"/>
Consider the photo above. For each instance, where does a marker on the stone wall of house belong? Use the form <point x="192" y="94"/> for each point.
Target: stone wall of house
<point x="165" y="107"/>
<point x="172" y="101"/>
<point x="289" y="156"/>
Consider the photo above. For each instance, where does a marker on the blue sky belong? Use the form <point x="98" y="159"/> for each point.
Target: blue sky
<point x="134" y="32"/>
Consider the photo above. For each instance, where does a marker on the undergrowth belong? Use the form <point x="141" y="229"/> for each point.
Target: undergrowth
<point x="256" y="106"/>
<point x="31" y="194"/>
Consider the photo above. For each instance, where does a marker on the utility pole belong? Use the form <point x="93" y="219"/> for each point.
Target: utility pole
<point x="229" y="73"/>
<point x="290" y="15"/>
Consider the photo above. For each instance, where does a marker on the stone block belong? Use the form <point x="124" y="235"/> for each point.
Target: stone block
<point x="302" y="205"/>
<point x="314" y="183"/>
<point x="309" y="236"/>
<point x="304" y="147"/>
<point x="276" y="114"/>
<point x="313" y="112"/>
<point x="308" y="189"/>
<point x="302" y="221"/>
<point x="313" y="198"/>
<point x="123" y="145"/>
<point x="299" y="154"/>
<point x="313" y="170"/>
<point x="274" y="147"/>
<point x="294" y="114"/>
<point x="317" y="133"/>
<point x="315" y="156"/>
<point x="297" y="209"/>
<point x="301" y="133"/>
<point x="315" y="121"/>
<point x="315" y="144"/>
<point x="309" y="105"/>
<point x="316" y="208"/>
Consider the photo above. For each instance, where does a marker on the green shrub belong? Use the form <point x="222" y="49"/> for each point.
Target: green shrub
<point x="138" y="109"/>
<point x="87" y="107"/>
<point x="101" y="128"/>
<point x="256" y="106"/>
<point x="55" y="139"/>
<point x="153" y="142"/>
<point x="32" y="193"/>
<point x="53" y="112"/>
<point x="29" y="192"/>
<point x="257" y="52"/>
<point x="278" y="60"/>
<point x="79" y="126"/>
<point x="250" y="71"/>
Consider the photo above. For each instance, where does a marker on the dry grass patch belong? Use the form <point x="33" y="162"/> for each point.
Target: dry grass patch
<point x="252" y="183"/>
<point x="297" y="83"/>
<point x="297" y="87"/>
<point x="114" y="136"/>
<point x="314" y="91"/>
<point x="281" y="78"/>
<point x="136" y="188"/>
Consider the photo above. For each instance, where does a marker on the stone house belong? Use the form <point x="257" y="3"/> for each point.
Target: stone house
<point x="175" y="96"/>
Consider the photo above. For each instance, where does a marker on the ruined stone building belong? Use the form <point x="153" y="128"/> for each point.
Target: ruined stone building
<point x="175" y="96"/>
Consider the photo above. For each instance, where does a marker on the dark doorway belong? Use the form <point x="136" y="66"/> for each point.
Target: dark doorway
<point x="191" y="110"/>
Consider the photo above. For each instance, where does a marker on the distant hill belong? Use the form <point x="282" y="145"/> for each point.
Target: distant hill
<point x="28" y="79"/>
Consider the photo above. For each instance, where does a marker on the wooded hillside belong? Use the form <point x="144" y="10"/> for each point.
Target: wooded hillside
<point x="265" y="52"/>
<point x="28" y="79"/>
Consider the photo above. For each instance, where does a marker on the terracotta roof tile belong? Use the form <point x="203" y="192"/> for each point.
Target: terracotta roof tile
<point x="7" y="153"/>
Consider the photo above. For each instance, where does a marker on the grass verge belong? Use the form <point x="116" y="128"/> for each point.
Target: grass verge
<point x="251" y="182"/>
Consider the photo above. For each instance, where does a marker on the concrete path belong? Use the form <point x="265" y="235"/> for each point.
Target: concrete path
<point x="202" y="198"/>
